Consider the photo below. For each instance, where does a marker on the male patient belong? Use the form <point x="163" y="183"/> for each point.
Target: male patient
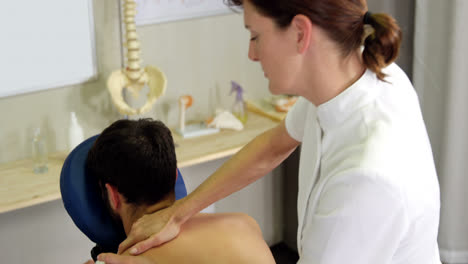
<point x="136" y="166"/>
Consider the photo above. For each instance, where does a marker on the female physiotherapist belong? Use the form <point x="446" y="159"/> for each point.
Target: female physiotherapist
<point x="368" y="189"/>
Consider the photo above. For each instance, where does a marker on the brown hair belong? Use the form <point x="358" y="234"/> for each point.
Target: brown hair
<point x="344" y="23"/>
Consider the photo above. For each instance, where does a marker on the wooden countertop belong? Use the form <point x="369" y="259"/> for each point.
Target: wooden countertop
<point x="20" y="187"/>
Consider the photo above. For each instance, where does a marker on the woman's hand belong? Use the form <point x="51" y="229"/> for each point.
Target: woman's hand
<point x="153" y="230"/>
<point x="110" y="258"/>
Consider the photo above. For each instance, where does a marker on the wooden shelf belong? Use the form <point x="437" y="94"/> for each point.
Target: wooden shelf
<point x="202" y="149"/>
<point x="20" y="187"/>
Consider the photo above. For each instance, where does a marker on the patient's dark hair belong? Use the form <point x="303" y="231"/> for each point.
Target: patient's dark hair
<point x="138" y="158"/>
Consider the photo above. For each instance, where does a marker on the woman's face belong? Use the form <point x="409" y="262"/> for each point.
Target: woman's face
<point x="274" y="48"/>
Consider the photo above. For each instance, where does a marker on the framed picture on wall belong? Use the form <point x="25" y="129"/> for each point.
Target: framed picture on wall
<point x="158" y="11"/>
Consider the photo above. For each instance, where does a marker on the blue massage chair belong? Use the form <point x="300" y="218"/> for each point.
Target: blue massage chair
<point x="81" y="199"/>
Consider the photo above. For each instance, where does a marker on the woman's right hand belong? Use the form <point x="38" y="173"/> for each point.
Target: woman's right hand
<point x="150" y="231"/>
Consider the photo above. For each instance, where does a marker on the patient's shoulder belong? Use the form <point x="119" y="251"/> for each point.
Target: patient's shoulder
<point x="231" y="222"/>
<point x="217" y="238"/>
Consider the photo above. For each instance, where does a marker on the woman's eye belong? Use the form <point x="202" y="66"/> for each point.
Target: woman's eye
<point x="253" y="38"/>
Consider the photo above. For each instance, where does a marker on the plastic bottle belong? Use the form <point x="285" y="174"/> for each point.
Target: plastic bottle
<point x="75" y="133"/>
<point x="39" y="152"/>
<point x="238" y="108"/>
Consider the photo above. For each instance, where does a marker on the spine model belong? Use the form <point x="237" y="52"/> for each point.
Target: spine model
<point x="133" y="70"/>
<point x="134" y="77"/>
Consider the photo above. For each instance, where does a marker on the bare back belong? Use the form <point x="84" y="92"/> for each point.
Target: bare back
<point x="215" y="238"/>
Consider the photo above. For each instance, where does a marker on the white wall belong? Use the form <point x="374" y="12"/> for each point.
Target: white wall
<point x="196" y="55"/>
<point x="42" y="234"/>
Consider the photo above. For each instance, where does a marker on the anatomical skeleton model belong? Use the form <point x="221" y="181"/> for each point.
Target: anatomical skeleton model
<point x="134" y="77"/>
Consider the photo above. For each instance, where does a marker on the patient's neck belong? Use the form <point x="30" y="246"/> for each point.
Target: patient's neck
<point x="132" y="213"/>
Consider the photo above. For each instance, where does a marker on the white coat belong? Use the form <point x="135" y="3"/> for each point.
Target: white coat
<point x="368" y="189"/>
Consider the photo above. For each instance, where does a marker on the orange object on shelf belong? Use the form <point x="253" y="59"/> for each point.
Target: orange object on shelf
<point x="186" y="100"/>
<point x="283" y="105"/>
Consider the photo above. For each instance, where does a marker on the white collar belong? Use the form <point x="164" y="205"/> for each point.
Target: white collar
<point x="339" y="108"/>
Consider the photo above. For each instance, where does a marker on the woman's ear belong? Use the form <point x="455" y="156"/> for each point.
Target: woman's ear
<point x="114" y="197"/>
<point x="303" y="29"/>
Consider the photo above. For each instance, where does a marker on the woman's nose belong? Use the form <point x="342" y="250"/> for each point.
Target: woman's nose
<point x="252" y="54"/>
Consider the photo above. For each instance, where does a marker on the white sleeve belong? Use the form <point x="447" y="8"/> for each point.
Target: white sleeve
<point x="358" y="220"/>
<point x="295" y="119"/>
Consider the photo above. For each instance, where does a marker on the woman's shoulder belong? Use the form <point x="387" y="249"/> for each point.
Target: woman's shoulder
<point x="397" y="87"/>
<point x="395" y="73"/>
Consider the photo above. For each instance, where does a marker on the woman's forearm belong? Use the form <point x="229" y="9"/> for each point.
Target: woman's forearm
<point x="252" y="162"/>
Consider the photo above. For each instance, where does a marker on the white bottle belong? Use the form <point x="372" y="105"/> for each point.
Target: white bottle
<point x="39" y="152"/>
<point x="75" y="133"/>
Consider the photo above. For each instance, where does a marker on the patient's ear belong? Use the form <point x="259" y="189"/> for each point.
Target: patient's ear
<point x="114" y="197"/>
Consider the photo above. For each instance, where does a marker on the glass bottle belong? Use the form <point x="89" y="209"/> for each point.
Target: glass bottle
<point x="39" y="152"/>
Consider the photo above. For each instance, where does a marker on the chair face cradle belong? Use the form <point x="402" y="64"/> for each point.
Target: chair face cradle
<point x="81" y="199"/>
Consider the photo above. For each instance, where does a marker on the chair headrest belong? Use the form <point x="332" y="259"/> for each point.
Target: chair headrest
<point x="82" y="200"/>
